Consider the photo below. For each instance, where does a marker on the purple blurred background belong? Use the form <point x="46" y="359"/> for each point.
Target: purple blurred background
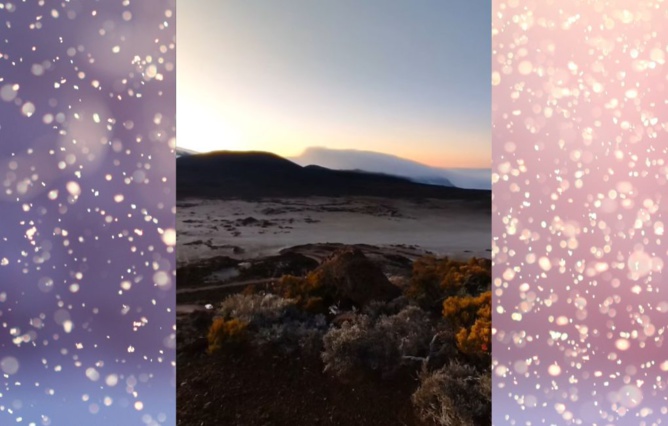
<point x="87" y="128"/>
<point x="580" y="179"/>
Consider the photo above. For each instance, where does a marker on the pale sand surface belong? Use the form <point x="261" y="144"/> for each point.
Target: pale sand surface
<point x="208" y="228"/>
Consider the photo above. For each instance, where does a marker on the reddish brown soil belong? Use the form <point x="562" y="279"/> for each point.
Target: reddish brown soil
<point x="244" y="387"/>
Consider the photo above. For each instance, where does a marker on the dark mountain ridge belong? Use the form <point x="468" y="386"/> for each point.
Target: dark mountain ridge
<point x="231" y="174"/>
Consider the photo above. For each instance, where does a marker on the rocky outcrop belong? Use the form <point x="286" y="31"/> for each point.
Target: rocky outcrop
<point x="354" y="278"/>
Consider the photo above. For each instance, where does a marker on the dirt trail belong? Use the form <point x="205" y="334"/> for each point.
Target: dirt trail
<point x="227" y="285"/>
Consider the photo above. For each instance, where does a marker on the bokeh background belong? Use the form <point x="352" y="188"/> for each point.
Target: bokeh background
<point x="579" y="184"/>
<point x="87" y="128"/>
<point x="87" y="208"/>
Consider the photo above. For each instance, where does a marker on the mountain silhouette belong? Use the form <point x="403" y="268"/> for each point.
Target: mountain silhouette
<point x="233" y="174"/>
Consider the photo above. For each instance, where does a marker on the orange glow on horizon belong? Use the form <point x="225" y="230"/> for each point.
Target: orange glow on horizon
<point x="205" y="126"/>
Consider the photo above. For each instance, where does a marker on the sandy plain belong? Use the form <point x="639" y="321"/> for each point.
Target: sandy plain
<point x="246" y="229"/>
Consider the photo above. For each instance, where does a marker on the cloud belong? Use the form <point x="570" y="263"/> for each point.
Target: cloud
<point x="348" y="159"/>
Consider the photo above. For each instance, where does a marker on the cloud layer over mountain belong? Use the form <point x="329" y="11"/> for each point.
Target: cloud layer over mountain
<point x="389" y="164"/>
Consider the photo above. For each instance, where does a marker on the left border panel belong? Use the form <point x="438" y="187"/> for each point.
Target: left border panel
<point x="87" y="204"/>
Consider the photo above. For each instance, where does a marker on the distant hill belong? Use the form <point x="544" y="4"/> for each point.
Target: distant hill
<point x="232" y="174"/>
<point x="389" y="164"/>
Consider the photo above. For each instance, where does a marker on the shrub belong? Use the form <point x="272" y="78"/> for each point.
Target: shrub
<point x="308" y="292"/>
<point x="275" y="320"/>
<point x="443" y="348"/>
<point x="435" y="279"/>
<point x="347" y="278"/>
<point x="295" y="288"/>
<point x="425" y="280"/>
<point x="258" y="309"/>
<point x="455" y="395"/>
<point x="376" y="308"/>
<point x="292" y="334"/>
<point x="223" y="331"/>
<point x="473" y="317"/>
<point x="376" y="344"/>
<point x="344" y="348"/>
<point x="477" y="339"/>
<point x="473" y="276"/>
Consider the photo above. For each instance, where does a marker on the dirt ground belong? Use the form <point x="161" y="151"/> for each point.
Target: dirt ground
<point x="244" y="387"/>
<point x="246" y="229"/>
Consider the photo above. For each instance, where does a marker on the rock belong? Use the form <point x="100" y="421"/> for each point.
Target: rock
<point x="248" y="221"/>
<point x="355" y="277"/>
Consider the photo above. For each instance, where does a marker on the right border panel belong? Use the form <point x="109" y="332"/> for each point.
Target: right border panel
<point x="579" y="180"/>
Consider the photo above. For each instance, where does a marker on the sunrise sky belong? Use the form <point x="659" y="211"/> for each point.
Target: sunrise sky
<point x="408" y="78"/>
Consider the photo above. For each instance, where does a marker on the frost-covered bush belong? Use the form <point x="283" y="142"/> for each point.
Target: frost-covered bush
<point x="272" y="319"/>
<point x="376" y="308"/>
<point x="257" y="309"/>
<point x="378" y="344"/>
<point x="291" y="334"/>
<point x="455" y="395"/>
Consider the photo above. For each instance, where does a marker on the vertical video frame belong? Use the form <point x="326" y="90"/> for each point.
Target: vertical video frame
<point x="333" y="213"/>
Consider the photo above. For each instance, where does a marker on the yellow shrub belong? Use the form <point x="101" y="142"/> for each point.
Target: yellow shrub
<point x="223" y="330"/>
<point x="473" y="316"/>
<point x="476" y="340"/>
<point x="425" y="285"/>
<point x="310" y="293"/>
<point x="473" y="275"/>
<point x="292" y="287"/>
<point x="435" y="279"/>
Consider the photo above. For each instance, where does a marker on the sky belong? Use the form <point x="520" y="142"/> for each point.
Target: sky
<point x="410" y="79"/>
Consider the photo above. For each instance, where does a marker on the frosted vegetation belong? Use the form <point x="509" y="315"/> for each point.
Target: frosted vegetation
<point x="437" y="329"/>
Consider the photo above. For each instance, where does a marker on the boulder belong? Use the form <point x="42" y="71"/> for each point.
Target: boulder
<point x="354" y="278"/>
